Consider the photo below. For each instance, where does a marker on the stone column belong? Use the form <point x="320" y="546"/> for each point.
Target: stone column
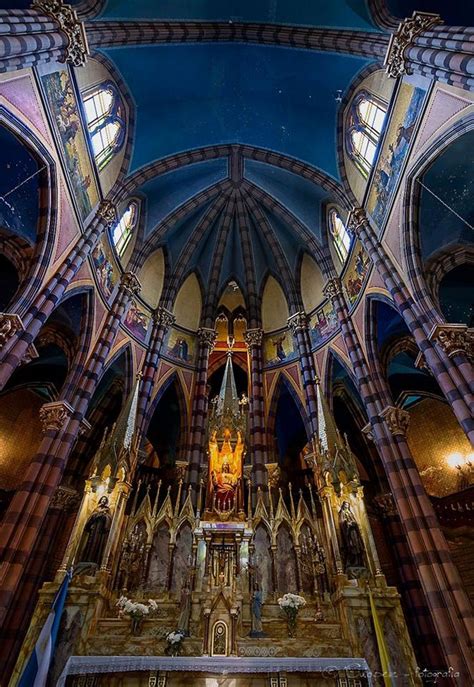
<point x="258" y="448"/>
<point x="163" y="319"/>
<point x="454" y="374"/>
<point x="62" y="425"/>
<point x="49" y="32"/>
<point x="15" y="341"/>
<point x="422" y="44"/>
<point x="298" y="323"/>
<point x="445" y="596"/>
<point x="207" y="339"/>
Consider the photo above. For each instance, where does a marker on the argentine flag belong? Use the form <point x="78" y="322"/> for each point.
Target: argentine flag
<point x="36" y="670"/>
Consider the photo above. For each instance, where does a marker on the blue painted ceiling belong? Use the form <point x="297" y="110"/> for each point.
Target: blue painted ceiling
<point x="345" y="13"/>
<point x="453" y="13"/>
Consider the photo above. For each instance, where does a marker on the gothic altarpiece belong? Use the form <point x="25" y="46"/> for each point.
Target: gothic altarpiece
<point x="218" y="554"/>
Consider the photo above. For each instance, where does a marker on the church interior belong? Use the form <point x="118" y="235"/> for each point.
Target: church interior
<point x="236" y="343"/>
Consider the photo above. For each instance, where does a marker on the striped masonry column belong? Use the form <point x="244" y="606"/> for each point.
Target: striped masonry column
<point x="14" y="346"/>
<point x="422" y="44"/>
<point x="253" y="339"/>
<point x="163" y="319"/>
<point x="49" y="32"/>
<point x="62" y="424"/>
<point x="448" y="603"/>
<point x="207" y="339"/>
<point x="298" y="323"/>
<point x="454" y="374"/>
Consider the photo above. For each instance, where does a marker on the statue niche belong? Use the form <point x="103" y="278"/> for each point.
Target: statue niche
<point x="352" y="544"/>
<point x="226" y="473"/>
<point x="95" y="535"/>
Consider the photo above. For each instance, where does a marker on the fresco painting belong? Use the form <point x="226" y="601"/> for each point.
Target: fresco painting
<point x="62" y="102"/>
<point x="137" y="321"/>
<point x="104" y="264"/>
<point x="180" y="346"/>
<point x="392" y="156"/>
<point x="356" y="271"/>
<point x="278" y="348"/>
<point x="323" y="323"/>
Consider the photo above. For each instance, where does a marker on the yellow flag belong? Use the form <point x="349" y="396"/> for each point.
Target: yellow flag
<point x="383" y="651"/>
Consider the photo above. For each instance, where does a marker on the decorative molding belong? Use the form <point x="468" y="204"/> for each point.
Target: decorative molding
<point x="369" y="432"/>
<point x="357" y="220"/>
<point x="65" y="499"/>
<point x="84" y="427"/>
<point x="404" y="38"/>
<point x="454" y="339"/>
<point x="420" y="362"/>
<point x="207" y="336"/>
<point x="180" y="469"/>
<point x="333" y="288"/>
<point x="69" y="23"/>
<point x="253" y="337"/>
<point x="164" y="317"/>
<point x="130" y="284"/>
<point x="297" y="322"/>
<point x="53" y="416"/>
<point x="107" y="213"/>
<point x="386" y="505"/>
<point x="397" y="420"/>
<point x="10" y="324"/>
<point x="274" y="475"/>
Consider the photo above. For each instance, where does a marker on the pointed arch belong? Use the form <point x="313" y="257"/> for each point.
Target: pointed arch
<point x="283" y="383"/>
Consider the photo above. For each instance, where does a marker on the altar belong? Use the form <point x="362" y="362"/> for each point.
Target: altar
<point x="203" y="671"/>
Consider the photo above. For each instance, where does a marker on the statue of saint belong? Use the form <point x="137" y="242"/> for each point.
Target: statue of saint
<point x="352" y="544"/>
<point x="257" y="601"/>
<point x="185" y="602"/>
<point x="96" y="532"/>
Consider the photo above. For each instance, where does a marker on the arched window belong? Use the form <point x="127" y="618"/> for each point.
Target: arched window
<point x="104" y="114"/>
<point x="122" y="233"/>
<point x="366" y="120"/>
<point x="340" y="235"/>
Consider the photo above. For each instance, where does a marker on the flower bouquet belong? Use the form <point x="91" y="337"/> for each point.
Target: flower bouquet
<point x="136" y="611"/>
<point x="290" y="604"/>
<point x="174" y="641"/>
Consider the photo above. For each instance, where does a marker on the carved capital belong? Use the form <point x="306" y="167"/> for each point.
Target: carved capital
<point x="397" y="420"/>
<point x="180" y="469"/>
<point x="84" y="427"/>
<point x="68" y="22"/>
<point x="130" y="284"/>
<point x="369" y="432"/>
<point x="420" y="362"/>
<point x="207" y="337"/>
<point x="10" y="324"/>
<point x="107" y="213"/>
<point x="333" y="288"/>
<point x="164" y="317"/>
<point x="404" y="37"/>
<point x="386" y="505"/>
<point x="55" y="415"/>
<point x="31" y="354"/>
<point x="274" y="475"/>
<point x="357" y="220"/>
<point x="297" y="322"/>
<point x="65" y="499"/>
<point x="454" y="339"/>
<point x="253" y="337"/>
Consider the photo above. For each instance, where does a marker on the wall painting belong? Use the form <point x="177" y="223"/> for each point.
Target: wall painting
<point x="104" y="264"/>
<point x="137" y="321"/>
<point x="62" y="102"/>
<point x="355" y="272"/>
<point x="323" y="323"/>
<point x="278" y="348"/>
<point x="180" y="345"/>
<point x="395" y="147"/>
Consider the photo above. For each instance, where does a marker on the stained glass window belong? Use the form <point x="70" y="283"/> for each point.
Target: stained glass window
<point x="340" y="235"/>
<point x="365" y="126"/>
<point x="103" y="110"/>
<point x="123" y="231"/>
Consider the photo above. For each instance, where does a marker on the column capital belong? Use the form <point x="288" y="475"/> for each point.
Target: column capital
<point x="369" y="432"/>
<point x="10" y="324"/>
<point x="130" y="284"/>
<point x="69" y="23"/>
<point x="397" y="420"/>
<point x="333" y="288"/>
<point x="253" y="337"/>
<point x="65" y="499"/>
<point x="107" y="213"/>
<point x="454" y="339"/>
<point x="357" y="220"/>
<point x="164" y="317"/>
<point x="404" y="37"/>
<point x="55" y="415"/>
<point x="207" y="336"/>
<point x="385" y="504"/>
<point x="297" y="322"/>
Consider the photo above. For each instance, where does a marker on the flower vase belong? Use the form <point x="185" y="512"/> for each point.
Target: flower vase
<point x="291" y="624"/>
<point x="136" y="625"/>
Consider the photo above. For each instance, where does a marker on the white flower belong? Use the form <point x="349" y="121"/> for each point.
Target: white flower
<point x="291" y="601"/>
<point x="153" y="604"/>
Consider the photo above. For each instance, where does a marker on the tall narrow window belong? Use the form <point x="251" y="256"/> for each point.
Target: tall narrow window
<point x="123" y="231"/>
<point x="104" y="114"/>
<point x="365" y="126"/>
<point x="340" y="235"/>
